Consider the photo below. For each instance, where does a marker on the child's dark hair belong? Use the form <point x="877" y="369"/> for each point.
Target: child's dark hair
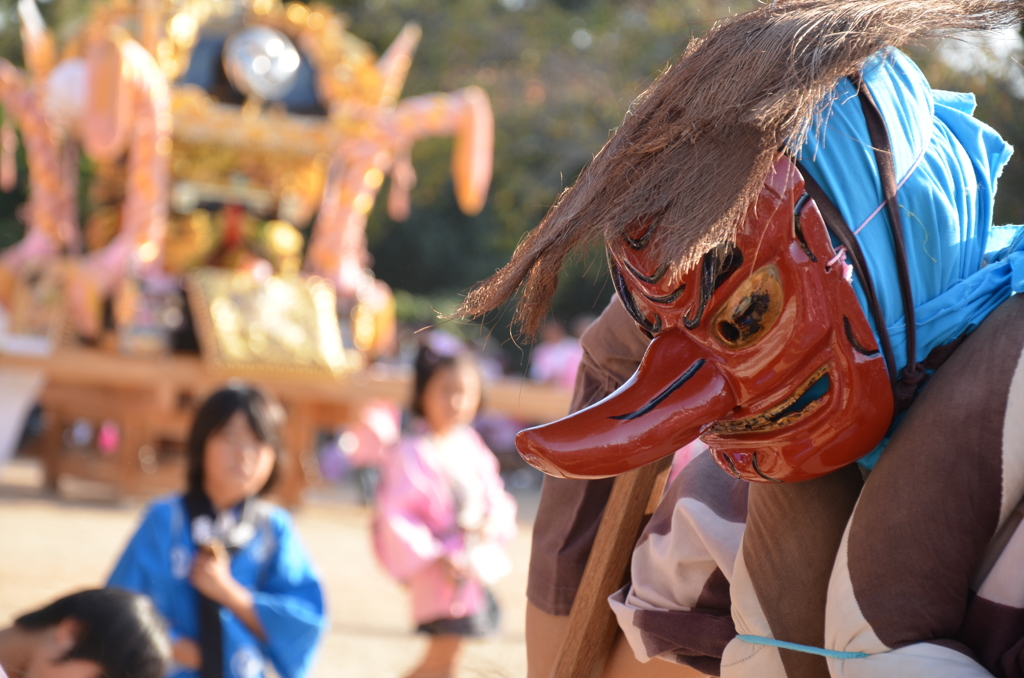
<point x="264" y="418"/>
<point x="429" y="363"/>
<point x="119" y="630"/>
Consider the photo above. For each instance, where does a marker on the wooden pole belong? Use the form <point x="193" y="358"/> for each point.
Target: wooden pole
<point x="592" y="626"/>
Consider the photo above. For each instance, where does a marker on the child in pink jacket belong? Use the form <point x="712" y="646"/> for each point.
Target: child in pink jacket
<point x="443" y="513"/>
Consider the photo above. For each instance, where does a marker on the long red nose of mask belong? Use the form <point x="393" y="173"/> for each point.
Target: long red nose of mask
<point x="676" y="392"/>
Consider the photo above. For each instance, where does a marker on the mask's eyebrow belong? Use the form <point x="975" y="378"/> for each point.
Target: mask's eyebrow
<point x="718" y="264"/>
<point x="667" y="298"/>
<point x="649" y="328"/>
<point x="798" y="229"/>
<point x="651" y="279"/>
<point x="644" y="239"/>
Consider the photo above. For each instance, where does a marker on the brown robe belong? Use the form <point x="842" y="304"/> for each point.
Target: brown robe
<point x="918" y="567"/>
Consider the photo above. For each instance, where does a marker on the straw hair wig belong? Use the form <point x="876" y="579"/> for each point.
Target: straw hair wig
<point x="692" y="153"/>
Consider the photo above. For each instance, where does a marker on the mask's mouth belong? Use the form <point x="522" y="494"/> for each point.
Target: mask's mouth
<point x="807" y="398"/>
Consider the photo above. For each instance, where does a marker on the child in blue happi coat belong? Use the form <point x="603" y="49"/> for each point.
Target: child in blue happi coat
<point x="223" y="566"/>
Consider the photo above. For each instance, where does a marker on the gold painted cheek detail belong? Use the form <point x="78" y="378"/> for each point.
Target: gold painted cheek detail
<point x="751" y="311"/>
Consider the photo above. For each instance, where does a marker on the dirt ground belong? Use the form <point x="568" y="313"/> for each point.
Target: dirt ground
<point x="54" y="546"/>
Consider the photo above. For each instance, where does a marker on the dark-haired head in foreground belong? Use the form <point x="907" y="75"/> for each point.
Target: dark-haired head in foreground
<point x="99" y="633"/>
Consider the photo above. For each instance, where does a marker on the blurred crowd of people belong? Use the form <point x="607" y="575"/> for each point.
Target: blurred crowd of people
<point x="229" y="588"/>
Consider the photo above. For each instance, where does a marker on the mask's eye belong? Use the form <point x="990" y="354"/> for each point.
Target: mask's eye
<point x="751" y="311"/>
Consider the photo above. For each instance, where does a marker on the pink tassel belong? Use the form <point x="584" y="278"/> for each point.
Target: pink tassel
<point x="8" y="157"/>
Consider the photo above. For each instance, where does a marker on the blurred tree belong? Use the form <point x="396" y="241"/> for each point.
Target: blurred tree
<point x="990" y="66"/>
<point x="561" y="75"/>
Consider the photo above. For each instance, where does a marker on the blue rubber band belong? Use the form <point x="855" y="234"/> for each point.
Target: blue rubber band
<point x="807" y="649"/>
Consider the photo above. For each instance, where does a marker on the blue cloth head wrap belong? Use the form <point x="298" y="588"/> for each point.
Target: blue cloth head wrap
<point x="947" y="163"/>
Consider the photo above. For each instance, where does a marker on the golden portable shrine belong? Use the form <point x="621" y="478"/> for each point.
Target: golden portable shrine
<point x="219" y="130"/>
<point x="218" y="133"/>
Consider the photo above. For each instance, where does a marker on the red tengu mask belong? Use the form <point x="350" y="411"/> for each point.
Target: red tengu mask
<point x="763" y="351"/>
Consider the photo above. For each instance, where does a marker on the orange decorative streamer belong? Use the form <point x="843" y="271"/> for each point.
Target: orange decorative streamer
<point x="8" y="156"/>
